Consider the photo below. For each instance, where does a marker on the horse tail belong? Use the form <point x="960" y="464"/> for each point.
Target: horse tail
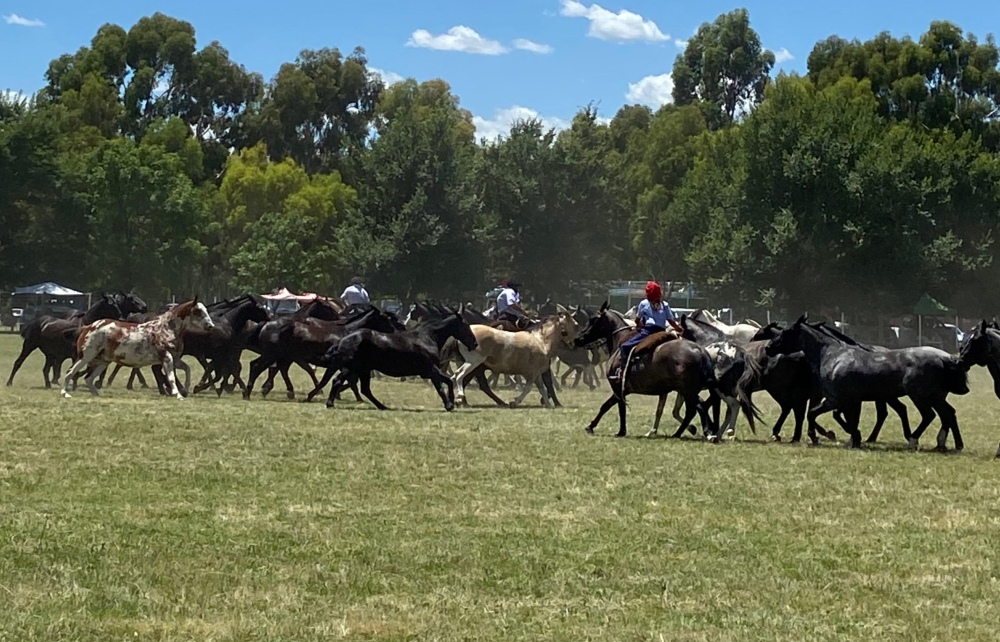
<point x="744" y="389"/>
<point x="956" y="377"/>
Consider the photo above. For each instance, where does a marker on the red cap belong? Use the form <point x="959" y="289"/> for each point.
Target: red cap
<point x="653" y="292"/>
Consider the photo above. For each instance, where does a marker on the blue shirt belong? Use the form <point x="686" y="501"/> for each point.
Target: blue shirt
<point x="647" y="316"/>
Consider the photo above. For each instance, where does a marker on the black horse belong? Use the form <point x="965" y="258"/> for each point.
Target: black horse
<point x="218" y="351"/>
<point x="411" y="353"/>
<point x="981" y="347"/>
<point x="288" y="340"/>
<point x="849" y="376"/>
<point x="56" y="337"/>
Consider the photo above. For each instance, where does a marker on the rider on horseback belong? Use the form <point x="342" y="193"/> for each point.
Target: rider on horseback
<point x="651" y="316"/>
<point x="509" y="303"/>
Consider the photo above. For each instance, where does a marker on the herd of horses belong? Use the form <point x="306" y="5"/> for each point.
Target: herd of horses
<point x="808" y="368"/>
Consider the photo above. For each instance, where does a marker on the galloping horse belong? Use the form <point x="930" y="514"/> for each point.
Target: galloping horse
<point x="528" y="353"/>
<point x="137" y="345"/>
<point x="56" y="337"/>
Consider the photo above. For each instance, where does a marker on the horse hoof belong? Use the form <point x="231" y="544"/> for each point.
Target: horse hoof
<point x="512" y="404"/>
<point x="940" y="449"/>
<point x="449" y="407"/>
<point x="619" y="434"/>
<point x="713" y="439"/>
<point x="776" y="439"/>
<point x="590" y="431"/>
<point x="913" y="445"/>
<point x="291" y="396"/>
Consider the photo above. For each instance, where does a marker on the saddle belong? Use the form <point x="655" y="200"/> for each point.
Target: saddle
<point x="653" y="341"/>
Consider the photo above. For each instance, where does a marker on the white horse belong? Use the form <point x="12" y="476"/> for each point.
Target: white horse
<point x="740" y="332"/>
<point x="138" y="345"/>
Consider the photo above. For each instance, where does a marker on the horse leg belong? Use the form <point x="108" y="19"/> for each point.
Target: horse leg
<point x="776" y="429"/>
<point x="327" y="376"/>
<point x="484" y="385"/>
<point x="622" y="412"/>
<point x="660" y="403"/>
<point x="257" y="366"/>
<point x="605" y="407"/>
<point x="900" y="408"/>
<point x="440" y="381"/>
<point x="546" y="401"/>
<point x="97" y="371"/>
<point x="26" y="349"/>
<point x="268" y="386"/>
<point x="949" y="421"/>
<point x="77" y="367"/>
<point x="283" y="368"/>
<point x="524" y="393"/>
<point x="880" y="414"/>
<point x="692" y="403"/>
<point x="472" y="361"/>
<point x="365" y="379"/>
<point x="678" y="404"/>
<point x="548" y="380"/>
<point x="815" y="411"/>
<point x="927" y="414"/>
<point x="114" y="373"/>
<point x="167" y="365"/>
<point x="852" y="417"/>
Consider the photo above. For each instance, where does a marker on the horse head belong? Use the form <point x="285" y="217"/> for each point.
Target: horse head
<point x="975" y="348"/>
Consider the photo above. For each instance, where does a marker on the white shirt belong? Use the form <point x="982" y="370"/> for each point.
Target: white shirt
<point x="355" y="295"/>
<point x="507" y="298"/>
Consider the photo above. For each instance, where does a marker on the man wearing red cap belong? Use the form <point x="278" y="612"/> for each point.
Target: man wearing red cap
<point x="651" y="315"/>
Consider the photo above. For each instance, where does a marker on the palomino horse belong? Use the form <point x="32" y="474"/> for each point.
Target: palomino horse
<point x="528" y="353"/>
<point x="138" y="345"/>
<point x="742" y="332"/>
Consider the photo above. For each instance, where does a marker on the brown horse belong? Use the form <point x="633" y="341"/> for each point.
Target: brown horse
<point x="674" y="364"/>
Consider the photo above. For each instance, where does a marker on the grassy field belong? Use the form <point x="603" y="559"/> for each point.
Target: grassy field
<point x="134" y="517"/>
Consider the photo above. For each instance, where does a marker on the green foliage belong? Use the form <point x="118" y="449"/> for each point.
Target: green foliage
<point x="286" y="227"/>
<point x="154" y="162"/>
<point x="724" y="66"/>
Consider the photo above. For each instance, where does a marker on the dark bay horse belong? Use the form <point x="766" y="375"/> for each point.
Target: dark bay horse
<point x="285" y="341"/>
<point x="677" y="365"/>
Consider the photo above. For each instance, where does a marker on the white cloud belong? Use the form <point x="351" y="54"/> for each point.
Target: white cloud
<point x="621" y="26"/>
<point x="460" y="38"/>
<point x="533" y="47"/>
<point x="783" y="55"/>
<point x="653" y="91"/>
<point x="681" y="44"/>
<point x="388" y="77"/>
<point x="502" y="119"/>
<point x="14" y="19"/>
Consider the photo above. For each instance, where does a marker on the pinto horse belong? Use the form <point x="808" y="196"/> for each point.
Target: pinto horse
<point x="56" y="337"/>
<point x="138" y="344"/>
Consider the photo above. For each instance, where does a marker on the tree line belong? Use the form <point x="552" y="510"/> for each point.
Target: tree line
<point x="147" y="162"/>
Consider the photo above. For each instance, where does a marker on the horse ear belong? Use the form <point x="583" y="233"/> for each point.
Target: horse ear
<point x="982" y="326"/>
<point x="461" y="308"/>
<point x="196" y="299"/>
<point x="604" y="307"/>
<point x="803" y="319"/>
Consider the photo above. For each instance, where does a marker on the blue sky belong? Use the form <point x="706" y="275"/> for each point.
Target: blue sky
<point x="503" y="59"/>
